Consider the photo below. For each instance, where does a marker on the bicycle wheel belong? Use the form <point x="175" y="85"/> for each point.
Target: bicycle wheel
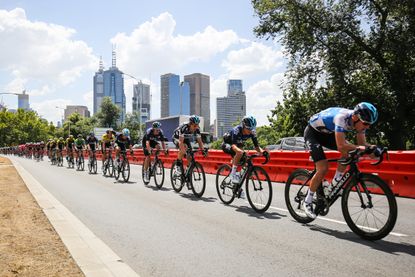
<point x="142" y="175"/>
<point x="117" y="169"/>
<point x="224" y="186"/>
<point x="90" y="165"/>
<point x="125" y="170"/>
<point x="259" y="189"/>
<point x="370" y="213"/>
<point x="176" y="177"/>
<point x="295" y="193"/>
<point x="94" y="166"/>
<point x="158" y="174"/>
<point x="82" y="163"/>
<point x="198" y="179"/>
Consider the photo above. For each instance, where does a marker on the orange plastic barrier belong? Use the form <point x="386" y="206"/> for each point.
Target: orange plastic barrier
<point x="398" y="171"/>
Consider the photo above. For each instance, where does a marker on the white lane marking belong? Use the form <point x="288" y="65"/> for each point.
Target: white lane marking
<point x="338" y="221"/>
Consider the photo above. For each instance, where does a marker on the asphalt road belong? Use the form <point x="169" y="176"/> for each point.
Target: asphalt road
<point x="164" y="233"/>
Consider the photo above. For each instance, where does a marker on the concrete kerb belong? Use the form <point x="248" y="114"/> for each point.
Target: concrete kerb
<point x="91" y="254"/>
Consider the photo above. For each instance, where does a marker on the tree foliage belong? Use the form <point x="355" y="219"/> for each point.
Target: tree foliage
<point x="341" y="53"/>
<point x="108" y="114"/>
<point x="132" y="122"/>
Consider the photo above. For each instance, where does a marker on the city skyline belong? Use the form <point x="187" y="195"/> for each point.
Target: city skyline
<point x="63" y="43"/>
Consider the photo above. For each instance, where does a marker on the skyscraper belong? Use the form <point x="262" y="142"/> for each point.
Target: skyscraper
<point x="70" y="109"/>
<point x="200" y="96"/>
<point x="23" y="101"/>
<point x="110" y="83"/>
<point x="175" y="96"/>
<point x="230" y="109"/>
<point x="141" y="96"/>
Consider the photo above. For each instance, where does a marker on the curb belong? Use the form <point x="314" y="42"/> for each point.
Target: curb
<point x="92" y="255"/>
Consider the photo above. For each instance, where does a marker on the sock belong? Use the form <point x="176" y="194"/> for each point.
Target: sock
<point x="234" y="169"/>
<point x="309" y="198"/>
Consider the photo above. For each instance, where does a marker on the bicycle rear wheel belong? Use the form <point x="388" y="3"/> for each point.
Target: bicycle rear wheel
<point x="142" y="175"/>
<point x="198" y="179"/>
<point x="94" y="166"/>
<point x="82" y="163"/>
<point x="125" y="170"/>
<point x="370" y="213"/>
<point x="176" y="177"/>
<point x="259" y="189"/>
<point x="159" y="174"/>
<point x="224" y="186"/>
<point x="117" y="169"/>
<point x="295" y="193"/>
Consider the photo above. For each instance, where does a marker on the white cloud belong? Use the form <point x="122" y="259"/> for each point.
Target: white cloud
<point x="40" y="52"/>
<point x="154" y="48"/>
<point x="253" y="60"/>
<point x="262" y="97"/>
<point x="88" y="100"/>
<point x="48" y="109"/>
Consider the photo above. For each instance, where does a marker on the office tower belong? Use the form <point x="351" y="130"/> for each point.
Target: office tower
<point x="82" y="110"/>
<point x="141" y="98"/>
<point x="110" y="83"/>
<point x="200" y="96"/>
<point x="231" y="108"/>
<point x="175" y="96"/>
<point x="23" y="101"/>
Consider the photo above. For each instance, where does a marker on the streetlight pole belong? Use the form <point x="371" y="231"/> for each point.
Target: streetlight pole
<point x="181" y="96"/>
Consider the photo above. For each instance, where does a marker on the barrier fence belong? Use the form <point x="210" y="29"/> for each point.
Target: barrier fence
<point x="398" y="172"/>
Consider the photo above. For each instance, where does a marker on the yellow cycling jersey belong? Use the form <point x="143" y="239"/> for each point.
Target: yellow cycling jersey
<point x="107" y="138"/>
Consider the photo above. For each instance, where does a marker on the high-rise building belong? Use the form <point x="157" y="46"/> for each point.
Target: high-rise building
<point x="110" y="83"/>
<point x="175" y="96"/>
<point x="141" y="98"/>
<point x="230" y="109"/>
<point x="23" y="101"/>
<point x="200" y="96"/>
<point x="82" y="110"/>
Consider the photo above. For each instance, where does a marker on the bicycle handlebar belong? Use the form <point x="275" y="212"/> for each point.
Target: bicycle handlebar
<point x="256" y="155"/>
<point x="355" y="154"/>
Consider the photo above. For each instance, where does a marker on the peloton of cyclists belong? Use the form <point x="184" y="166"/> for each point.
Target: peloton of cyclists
<point x="152" y="139"/>
<point x="233" y="142"/>
<point x="328" y="128"/>
<point x="107" y="141"/>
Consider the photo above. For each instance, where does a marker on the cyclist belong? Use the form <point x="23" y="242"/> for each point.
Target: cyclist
<point x="152" y="139"/>
<point x="92" y="143"/>
<point x="69" y="147"/>
<point x="122" y="140"/>
<point x="328" y="128"/>
<point x="107" y="140"/>
<point x="79" y="145"/>
<point x="181" y="138"/>
<point x="60" y="144"/>
<point x="233" y="142"/>
<point x="52" y="145"/>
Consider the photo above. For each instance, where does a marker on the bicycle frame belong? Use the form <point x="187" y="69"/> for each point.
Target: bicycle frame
<point x="248" y="168"/>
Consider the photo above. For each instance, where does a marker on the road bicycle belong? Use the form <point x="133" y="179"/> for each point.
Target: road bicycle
<point x="108" y="168"/>
<point x="122" y="167"/>
<point x="155" y="169"/>
<point x="69" y="158"/>
<point x="257" y="183"/>
<point x="60" y="157"/>
<point x="80" y="163"/>
<point x="92" y="162"/>
<point x="53" y="158"/>
<point x="368" y="204"/>
<point x="193" y="177"/>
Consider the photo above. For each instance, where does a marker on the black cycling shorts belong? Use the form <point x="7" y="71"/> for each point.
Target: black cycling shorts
<point x="93" y="147"/>
<point x="186" y="141"/>
<point x="316" y="140"/>
<point x="153" y="144"/>
<point x="227" y="148"/>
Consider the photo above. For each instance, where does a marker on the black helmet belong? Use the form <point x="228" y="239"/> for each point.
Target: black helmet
<point x="156" y="124"/>
<point x="194" y="119"/>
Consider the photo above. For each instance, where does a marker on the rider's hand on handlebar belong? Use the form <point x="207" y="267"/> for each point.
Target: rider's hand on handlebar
<point x="166" y="152"/>
<point x="205" y="152"/>
<point x="265" y="154"/>
<point x="131" y="152"/>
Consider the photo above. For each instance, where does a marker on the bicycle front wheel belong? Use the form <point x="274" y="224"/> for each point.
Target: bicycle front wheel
<point x="369" y="207"/>
<point x="126" y="170"/>
<point x="259" y="189"/>
<point x="117" y="169"/>
<point x="159" y="174"/>
<point x="198" y="179"/>
<point x="142" y="176"/>
<point x="295" y="193"/>
<point x="82" y="163"/>
<point x="94" y="166"/>
<point x="224" y="186"/>
<point x="176" y="177"/>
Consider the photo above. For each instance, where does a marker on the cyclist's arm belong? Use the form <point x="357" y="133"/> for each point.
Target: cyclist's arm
<point x="342" y="145"/>
<point x="199" y="140"/>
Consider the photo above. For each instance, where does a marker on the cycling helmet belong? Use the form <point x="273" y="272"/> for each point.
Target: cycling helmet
<point x="126" y="132"/>
<point x="79" y="136"/>
<point x="61" y="138"/>
<point x="366" y="112"/>
<point x="249" y="122"/>
<point x="194" y="119"/>
<point x="91" y="134"/>
<point x="70" y="136"/>
<point x="156" y="124"/>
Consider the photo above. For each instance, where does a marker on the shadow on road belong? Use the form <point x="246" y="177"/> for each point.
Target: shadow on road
<point x="190" y="196"/>
<point x="381" y="245"/>
<point x="157" y="189"/>
<point x="250" y="212"/>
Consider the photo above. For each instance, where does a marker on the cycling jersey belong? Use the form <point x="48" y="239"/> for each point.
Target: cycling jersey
<point x="91" y="140"/>
<point x="151" y="136"/>
<point x="61" y="144"/>
<point x="70" y="142"/>
<point x="107" y="138"/>
<point x="235" y="136"/>
<point x="184" y="130"/>
<point x="332" y="120"/>
<point x="122" y="141"/>
<point x="79" y="142"/>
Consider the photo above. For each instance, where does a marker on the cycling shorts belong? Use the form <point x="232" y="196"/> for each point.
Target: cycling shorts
<point x="316" y="140"/>
<point x="153" y="144"/>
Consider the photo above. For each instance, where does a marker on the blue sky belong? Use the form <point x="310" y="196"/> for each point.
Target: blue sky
<point x="52" y="49"/>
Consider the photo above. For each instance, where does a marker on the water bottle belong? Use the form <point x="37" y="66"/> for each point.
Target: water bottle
<point x="326" y="187"/>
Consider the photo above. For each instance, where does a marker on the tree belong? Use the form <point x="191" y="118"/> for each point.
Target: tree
<point x="132" y="122"/>
<point x="108" y="114"/>
<point x="344" y="52"/>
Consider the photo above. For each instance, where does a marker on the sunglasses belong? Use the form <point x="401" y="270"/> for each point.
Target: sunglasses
<point x="365" y="123"/>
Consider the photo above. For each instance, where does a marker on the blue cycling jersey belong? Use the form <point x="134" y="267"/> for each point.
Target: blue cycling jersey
<point x="235" y="136"/>
<point x="333" y="120"/>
